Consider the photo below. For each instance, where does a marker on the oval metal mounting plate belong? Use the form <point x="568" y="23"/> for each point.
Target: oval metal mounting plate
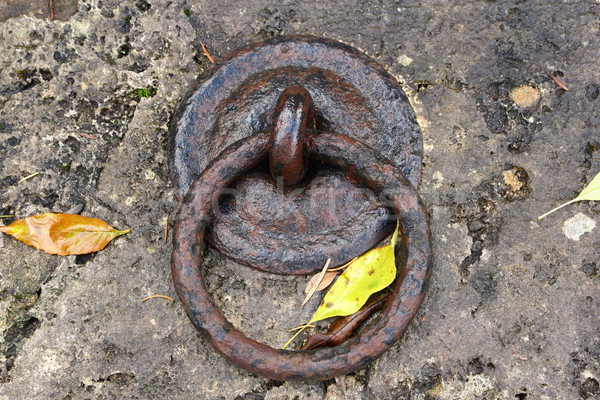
<point x="329" y="214"/>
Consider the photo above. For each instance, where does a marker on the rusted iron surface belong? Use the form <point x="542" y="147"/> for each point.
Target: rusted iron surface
<point x="380" y="332"/>
<point x="329" y="213"/>
<point x="292" y="113"/>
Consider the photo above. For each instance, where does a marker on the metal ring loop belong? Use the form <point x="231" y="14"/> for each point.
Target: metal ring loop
<point x="377" y="336"/>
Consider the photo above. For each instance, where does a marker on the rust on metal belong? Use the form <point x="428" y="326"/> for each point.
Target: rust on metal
<point x="376" y="172"/>
<point x="262" y="177"/>
<point x="322" y="210"/>
<point x="292" y="113"/>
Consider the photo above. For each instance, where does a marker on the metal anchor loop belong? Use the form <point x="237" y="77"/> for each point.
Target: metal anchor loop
<point x="228" y="134"/>
<point x="293" y="113"/>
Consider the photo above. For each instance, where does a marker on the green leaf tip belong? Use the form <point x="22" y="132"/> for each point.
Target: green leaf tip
<point x="590" y="192"/>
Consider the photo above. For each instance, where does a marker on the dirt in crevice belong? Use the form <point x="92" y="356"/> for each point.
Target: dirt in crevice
<point x="21" y="326"/>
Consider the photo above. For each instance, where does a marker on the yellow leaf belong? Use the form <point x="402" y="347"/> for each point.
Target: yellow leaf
<point x="369" y="273"/>
<point x="63" y="234"/>
<point x="373" y="271"/>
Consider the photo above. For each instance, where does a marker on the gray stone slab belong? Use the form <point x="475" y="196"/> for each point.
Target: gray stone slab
<point x="512" y="311"/>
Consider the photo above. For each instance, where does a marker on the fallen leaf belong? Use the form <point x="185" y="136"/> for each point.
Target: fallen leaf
<point x="325" y="282"/>
<point x="343" y="328"/>
<point x="369" y="273"/>
<point x="591" y="192"/>
<point x="318" y="279"/>
<point x="63" y="234"/>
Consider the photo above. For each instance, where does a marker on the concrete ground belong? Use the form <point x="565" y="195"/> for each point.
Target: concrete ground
<point x="512" y="310"/>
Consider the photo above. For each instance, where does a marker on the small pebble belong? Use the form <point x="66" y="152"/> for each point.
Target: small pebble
<point x="525" y="96"/>
<point x="404" y="60"/>
<point x="578" y="225"/>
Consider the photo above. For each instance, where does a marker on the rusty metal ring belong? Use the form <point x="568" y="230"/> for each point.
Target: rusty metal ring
<point x="379" y="334"/>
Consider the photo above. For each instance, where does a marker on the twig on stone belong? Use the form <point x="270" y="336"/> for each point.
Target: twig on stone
<point x="343" y="266"/>
<point x="157" y="296"/>
<point x="28" y="177"/>
<point x="559" y="83"/>
<point x="207" y="54"/>
<point x="51" y="7"/>
<point x="87" y="135"/>
<point x="167" y="228"/>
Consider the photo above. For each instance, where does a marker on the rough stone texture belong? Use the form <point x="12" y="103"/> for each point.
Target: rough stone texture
<point x="513" y="307"/>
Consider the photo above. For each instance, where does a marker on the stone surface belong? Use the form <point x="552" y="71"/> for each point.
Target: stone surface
<point x="513" y="305"/>
<point x="63" y="9"/>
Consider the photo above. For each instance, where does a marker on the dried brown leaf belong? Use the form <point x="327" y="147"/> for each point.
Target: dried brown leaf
<point x="325" y="282"/>
<point x="319" y="278"/>
<point x="343" y="328"/>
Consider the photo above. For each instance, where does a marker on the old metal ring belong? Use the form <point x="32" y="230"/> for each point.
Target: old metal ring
<point x="378" y="334"/>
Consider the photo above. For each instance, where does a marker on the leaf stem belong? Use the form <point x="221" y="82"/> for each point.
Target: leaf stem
<point x="302" y="327"/>
<point x="294" y="337"/>
<point x="29" y="177"/>
<point x="557" y="208"/>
